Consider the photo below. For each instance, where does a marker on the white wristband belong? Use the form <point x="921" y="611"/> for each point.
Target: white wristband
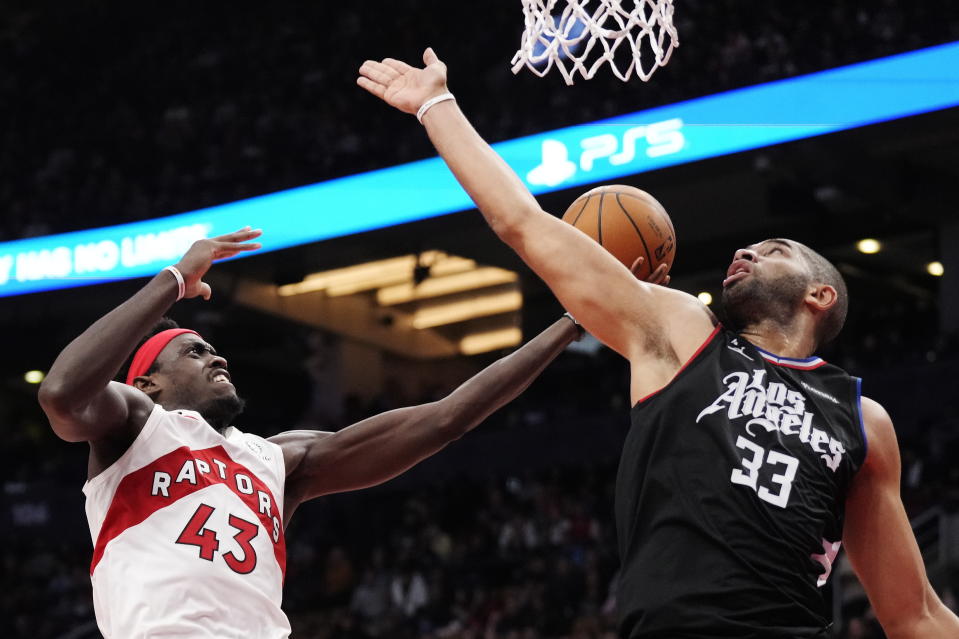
<point x="579" y="327"/>
<point x="180" y="284"/>
<point x="436" y="99"/>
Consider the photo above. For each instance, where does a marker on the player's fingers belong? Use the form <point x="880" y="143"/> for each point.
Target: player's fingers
<point x="227" y="236"/>
<point x="246" y="233"/>
<point x="397" y="66"/>
<point x="375" y="88"/>
<point x="666" y="281"/>
<point x="637" y="266"/>
<point x="226" y="250"/>
<point x="659" y="275"/>
<point x="377" y="72"/>
<point x="369" y="65"/>
<point x="430" y="57"/>
<point x="366" y="66"/>
<point x="239" y="236"/>
<point x="227" y="245"/>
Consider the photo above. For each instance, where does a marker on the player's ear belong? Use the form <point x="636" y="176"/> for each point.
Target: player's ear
<point x="146" y="384"/>
<point x="822" y="297"/>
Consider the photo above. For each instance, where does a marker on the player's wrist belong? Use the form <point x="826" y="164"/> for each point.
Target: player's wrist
<point x="445" y="96"/>
<point x="180" y="281"/>
<point x="580" y="331"/>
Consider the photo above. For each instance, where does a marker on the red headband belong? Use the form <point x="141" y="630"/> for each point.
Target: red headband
<point x="147" y="354"/>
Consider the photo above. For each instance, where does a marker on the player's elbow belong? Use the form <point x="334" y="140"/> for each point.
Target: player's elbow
<point x="58" y="405"/>
<point x="508" y="230"/>
<point x="912" y="618"/>
<point x="906" y="628"/>
<point x="52" y="396"/>
<point x="515" y="228"/>
<point x="452" y="419"/>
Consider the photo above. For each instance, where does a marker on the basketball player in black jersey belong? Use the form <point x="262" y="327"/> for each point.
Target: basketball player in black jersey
<point x="749" y="461"/>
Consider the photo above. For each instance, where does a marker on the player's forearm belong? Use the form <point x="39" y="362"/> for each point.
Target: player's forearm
<point x="498" y="192"/>
<point x="570" y="263"/>
<point x="942" y="623"/>
<point x="386" y="445"/>
<point x="92" y="360"/>
<point x="937" y="623"/>
<point x="501" y="382"/>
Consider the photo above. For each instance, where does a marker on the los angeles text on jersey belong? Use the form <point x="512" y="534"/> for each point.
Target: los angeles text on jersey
<point x="213" y="470"/>
<point x="773" y="406"/>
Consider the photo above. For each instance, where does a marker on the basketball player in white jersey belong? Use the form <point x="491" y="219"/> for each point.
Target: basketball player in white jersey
<point x="186" y="512"/>
<point x="787" y="303"/>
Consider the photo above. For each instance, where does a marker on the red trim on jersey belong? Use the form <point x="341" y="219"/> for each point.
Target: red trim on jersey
<point x="788" y="362"/>
<point x="133" y="501"/>
<point x="800" y="368"/>
<point x="688" y="362"/>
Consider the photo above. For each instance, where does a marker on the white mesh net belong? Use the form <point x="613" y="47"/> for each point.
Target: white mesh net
<point x="578" y="36"/>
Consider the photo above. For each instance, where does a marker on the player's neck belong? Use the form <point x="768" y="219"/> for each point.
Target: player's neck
<point x="217" y="422"/>
<point x="785" y="341"/>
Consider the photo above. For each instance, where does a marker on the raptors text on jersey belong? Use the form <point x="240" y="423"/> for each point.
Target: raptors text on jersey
<point x="187" y="529"/>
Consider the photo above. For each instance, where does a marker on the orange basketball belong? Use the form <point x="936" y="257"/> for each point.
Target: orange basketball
<point x="627" y="222"/>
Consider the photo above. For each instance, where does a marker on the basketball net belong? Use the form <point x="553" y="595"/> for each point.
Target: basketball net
<point x="588" y="33"/>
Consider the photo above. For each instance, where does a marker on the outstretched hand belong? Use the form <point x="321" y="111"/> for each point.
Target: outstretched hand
<point x="402" y="86"/>
<point x="659" y="276"/>
<point x="197" y="261"/>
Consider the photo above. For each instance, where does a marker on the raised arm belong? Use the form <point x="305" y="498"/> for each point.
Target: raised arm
<point x="78" y="396"/>
<point x="641" y="322"/>
<point x="881" y="544"/>
<point x="379" y="448"/>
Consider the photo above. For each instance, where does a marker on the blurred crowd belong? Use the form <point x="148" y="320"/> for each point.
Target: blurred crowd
<point x="519" y="556"/>
<point x="118" y="111"/>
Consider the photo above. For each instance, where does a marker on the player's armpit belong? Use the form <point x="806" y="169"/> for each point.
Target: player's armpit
<point x="362" y="455"/>
<point x="296" y="444"/>
<point x="881" y="544"/>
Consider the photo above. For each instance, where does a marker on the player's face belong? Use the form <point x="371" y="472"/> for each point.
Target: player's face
<point x="767" y="280"/>
<point x="770" y="258"/>
<point x="192" y="376"/>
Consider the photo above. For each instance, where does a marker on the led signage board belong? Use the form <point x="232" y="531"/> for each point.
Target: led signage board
<point x="772" y="113"/>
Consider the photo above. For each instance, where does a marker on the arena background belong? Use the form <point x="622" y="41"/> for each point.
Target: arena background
<point x="115" y="112"/>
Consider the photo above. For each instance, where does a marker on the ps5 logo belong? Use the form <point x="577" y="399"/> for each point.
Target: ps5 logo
<point x="655" y="140"/>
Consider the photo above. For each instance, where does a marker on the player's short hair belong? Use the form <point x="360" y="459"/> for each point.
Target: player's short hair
<point x="824" y="272"/>
<point x="164" y="324"/>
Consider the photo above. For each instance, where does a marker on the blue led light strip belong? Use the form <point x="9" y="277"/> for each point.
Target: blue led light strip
<point x="772" y="113"/>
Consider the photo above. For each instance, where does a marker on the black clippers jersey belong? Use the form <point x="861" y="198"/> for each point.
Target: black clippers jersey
<point x="730" y="494"/>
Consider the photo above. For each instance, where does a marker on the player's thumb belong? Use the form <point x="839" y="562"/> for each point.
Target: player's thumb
<point x="429" y="56"/>
<point x="205" y="291"/>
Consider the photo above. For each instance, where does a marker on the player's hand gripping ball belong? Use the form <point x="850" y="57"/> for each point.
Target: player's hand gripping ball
<point x="627" y="222"/>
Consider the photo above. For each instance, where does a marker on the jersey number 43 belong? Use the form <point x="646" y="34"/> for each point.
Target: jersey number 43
<point x="195" y="533"/>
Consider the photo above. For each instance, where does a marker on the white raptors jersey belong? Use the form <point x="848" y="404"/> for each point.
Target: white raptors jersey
<point x="187" y="529"/>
